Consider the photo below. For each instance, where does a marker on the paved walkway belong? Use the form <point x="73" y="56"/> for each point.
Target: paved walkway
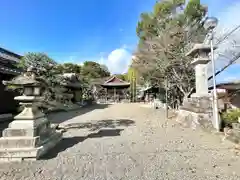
<point x="128" y="142"/>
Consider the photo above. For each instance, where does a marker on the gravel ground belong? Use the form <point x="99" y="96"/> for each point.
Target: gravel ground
<point x="128" y="142"/>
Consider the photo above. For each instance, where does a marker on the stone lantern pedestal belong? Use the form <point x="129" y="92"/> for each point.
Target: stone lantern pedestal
<point x="197" y="111"/>
<point x="30" y="135"/>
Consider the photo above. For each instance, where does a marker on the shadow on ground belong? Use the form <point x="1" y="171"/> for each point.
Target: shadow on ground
<point x="69" y="142"/>
<point x="59" y="117"/>
<point x="98" y="124"/>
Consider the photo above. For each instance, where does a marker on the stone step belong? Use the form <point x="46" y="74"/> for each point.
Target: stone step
<point x="13" y="132"/>
<point x="19" y="142"/>
<point x="19" y="154"/>
<point x="26" y="141"/>
<point x="26" y="153"/>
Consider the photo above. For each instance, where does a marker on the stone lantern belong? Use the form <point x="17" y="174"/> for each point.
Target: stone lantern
<point x="30" y="135"/>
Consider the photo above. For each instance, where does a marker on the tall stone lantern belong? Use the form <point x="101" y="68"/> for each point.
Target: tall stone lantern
<point x="197" y="110"/>
<point x="30" y="135"/>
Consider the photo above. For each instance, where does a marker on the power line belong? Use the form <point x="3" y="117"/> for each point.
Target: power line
<point x="227" y="35"/>
<point x="234" y="59"/>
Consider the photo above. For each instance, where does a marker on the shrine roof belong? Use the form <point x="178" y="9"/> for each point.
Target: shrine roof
<point x="115" y="81"/>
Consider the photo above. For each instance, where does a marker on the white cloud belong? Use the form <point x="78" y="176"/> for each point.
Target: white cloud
<point x="118" y="60"/>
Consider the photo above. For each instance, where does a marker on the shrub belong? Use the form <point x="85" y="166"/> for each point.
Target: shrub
<point x="230" y="116"/>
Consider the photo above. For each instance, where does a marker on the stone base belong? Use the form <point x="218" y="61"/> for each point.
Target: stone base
<point x="198" y="104"/>
<point x="28" y="139"/>
<point x="195" y="120"/>
<point x="196" y="112"/>
<point x="17" y="152"/>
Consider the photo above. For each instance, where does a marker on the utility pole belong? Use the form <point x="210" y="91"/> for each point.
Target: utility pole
<point x="209" y="24"/>
<point x="215" y="96"/>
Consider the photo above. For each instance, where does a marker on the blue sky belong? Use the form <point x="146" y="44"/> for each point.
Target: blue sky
<point x="79" y="30"/>
<point x="73" y="30"/>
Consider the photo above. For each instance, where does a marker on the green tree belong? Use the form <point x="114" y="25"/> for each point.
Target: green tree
<point x="40" y="61"/>
<point x="92" y="70"/>
<point x="69" y="68"/>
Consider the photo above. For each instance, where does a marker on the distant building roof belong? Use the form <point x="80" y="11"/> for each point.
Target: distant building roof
<point x="234" y="85"/>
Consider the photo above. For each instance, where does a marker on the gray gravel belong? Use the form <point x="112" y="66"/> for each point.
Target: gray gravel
<point x="128" y="142"/>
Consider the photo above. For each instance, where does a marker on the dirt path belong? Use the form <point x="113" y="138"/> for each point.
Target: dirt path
<point x="128" y="142"/>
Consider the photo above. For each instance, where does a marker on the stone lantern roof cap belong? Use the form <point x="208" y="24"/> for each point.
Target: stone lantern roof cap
<point x="26" y="79"/>
<point x="22" y="81"/>
<point x="197" y="48"/>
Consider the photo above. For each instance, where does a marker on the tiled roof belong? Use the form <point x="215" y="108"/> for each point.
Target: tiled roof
<point x="7" y="70"/>
<point x="6" y="55"/>
<point x="115" y="81"/>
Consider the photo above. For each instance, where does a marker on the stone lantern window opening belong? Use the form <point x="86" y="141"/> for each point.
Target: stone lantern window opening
<point x="204" y="54"/>
<point x="32" y="90"/>
<point x="37" y="91"/>
<point x="28" y="90"/>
